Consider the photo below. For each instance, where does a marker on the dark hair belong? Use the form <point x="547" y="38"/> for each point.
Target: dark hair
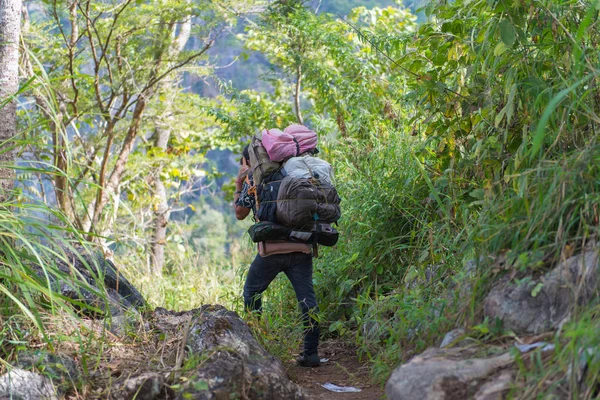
<point x="246" y="155"/>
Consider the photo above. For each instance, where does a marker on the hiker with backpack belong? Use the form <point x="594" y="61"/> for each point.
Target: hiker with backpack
<point x="289" y="225"/>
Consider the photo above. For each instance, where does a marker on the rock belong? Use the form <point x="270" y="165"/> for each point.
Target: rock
<point x="118" y="325"/>
<point x="25" y="385"/>
<point x="379" y="317"/>
<point x="496" y="388"/>
<point x="61" y="369"/>
<point x="234" y="364"/>
<point x="93" y="266"/>
<point x="442" y="374"/>
<point x="216" y="327"/>
<point x="573" y="282"/>
<point x="146" y="386"/>
<point x="78" y="275"/>
<point x="451" y="337"/>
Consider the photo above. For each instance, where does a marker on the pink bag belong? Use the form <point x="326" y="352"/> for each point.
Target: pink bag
<point x="293" y="141"/>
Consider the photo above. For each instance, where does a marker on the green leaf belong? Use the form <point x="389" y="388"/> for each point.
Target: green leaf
<point x="536" y="290"/>
<point x="336" y="326"/>
<point x="499" y="49"/>
<point x="510" y="103"/>
<point x="434" y="192"/>
<point x="201" y="386"/>
<point x="477" y="194"/>
<point x="353" y="258"/>
<point x="540" y="131"/>
<point x="379" y="269"/>
<point x="507" y="33"/>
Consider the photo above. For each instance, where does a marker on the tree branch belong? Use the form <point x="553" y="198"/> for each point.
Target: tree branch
<point x="95" y="58"/>
<point x="297" y="93"/>
<point x="179" y="65"/>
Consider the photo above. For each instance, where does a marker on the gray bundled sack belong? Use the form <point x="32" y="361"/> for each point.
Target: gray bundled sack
<point x="309" y="167"/>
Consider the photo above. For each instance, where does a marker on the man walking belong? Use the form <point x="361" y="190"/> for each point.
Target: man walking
<point x="292" y="258"/>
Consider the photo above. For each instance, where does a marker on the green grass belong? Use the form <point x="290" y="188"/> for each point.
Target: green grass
<point x="509" y="166"/>
<point x="192" y="280"/>
<point x="34" y="316"/>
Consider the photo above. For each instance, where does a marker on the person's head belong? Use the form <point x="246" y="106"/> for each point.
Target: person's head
<point x="245" y="156"/>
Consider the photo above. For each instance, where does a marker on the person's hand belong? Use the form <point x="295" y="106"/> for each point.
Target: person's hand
<point x="242" y="174"/>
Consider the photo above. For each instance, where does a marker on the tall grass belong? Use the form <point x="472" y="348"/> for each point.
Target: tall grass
<point x="405" y="231"/>
<point x="191" y="279"/>
<point x="34" y="240"/>
<point x="543" y="209"/>
<point x="38" y="245"/>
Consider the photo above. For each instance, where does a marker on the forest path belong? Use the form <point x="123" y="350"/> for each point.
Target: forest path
<point x="342" y="369"/>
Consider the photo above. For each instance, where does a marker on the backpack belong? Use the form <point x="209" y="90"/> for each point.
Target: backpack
<point x="265" y="231"/>
<point x="294" y="203"/>
<point x="293" y="141"/>
<point x="302" y="203"/>
<point x="261" y="165"/>
<point x="267" y="196"/>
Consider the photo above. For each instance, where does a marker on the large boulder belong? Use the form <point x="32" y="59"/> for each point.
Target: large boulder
<point x="92" y="281"/>
<point x="233" y="364"/>
<point x="543" y="304"/>
<point x="448" y="374"/>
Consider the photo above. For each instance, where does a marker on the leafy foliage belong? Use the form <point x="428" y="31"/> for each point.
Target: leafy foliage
<point x="99" y="99"/>
<point x="468" y="136"/>
<point x="452" y="140"/>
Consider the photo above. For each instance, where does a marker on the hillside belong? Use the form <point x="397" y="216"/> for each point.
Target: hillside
<point x="464" y="148"/>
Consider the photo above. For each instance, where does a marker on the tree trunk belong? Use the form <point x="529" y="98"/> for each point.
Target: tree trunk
<point x="10" y="13"/>
<point x="95" y="208"/>
<point x="162" y="135"/>
<point x="162" y="214"/>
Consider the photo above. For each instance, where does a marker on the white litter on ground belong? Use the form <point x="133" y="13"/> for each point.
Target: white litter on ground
<point x="340" y="389"/>
<point x="324" y="360"/>
<point x="524" y="348"/>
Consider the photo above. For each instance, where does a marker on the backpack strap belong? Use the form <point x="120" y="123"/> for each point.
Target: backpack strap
<point x="252" y="190"/>
<point x="310" y="170"/>
<point x="297" y="146"/>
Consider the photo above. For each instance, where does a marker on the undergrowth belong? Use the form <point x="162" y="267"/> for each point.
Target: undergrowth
<point x="469" y="137"/>
<point x="37" y="321"/>
<point x="463" y="140"/>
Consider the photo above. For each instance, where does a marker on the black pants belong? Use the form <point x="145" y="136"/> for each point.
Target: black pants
<point x="298" y="268"/>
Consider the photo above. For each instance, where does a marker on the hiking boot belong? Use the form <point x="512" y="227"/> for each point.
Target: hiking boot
<point x="310" y="361"/>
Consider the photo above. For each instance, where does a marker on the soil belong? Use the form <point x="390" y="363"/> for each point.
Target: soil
<point x="343" y="369"/>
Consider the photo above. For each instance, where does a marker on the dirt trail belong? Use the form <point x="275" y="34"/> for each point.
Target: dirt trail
<point x="342" y="369"/>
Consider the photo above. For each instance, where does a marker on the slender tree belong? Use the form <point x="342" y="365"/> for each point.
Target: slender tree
<point x="10" y="12"/>
<point x="162" y="133"/>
